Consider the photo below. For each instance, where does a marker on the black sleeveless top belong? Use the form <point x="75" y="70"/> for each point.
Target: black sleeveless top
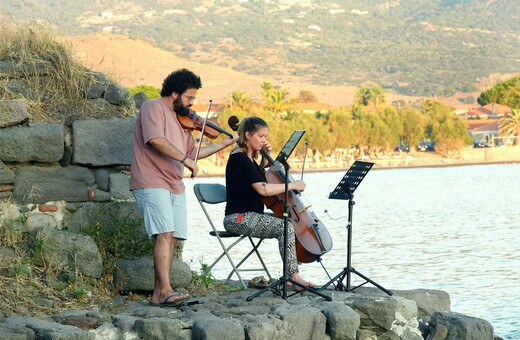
<point x="241" y="197"/>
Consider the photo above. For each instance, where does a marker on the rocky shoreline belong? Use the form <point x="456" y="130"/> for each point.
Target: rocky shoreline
<point x="366" y="313"/>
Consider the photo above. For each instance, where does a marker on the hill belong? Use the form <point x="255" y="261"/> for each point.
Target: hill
<point x="133" y="62"/>
<point x="415" y="48"/>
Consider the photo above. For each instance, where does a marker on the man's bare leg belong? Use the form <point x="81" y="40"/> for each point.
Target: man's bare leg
<point x="163" y="257"/>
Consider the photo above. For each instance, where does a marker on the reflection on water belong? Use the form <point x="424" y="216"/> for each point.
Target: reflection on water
<point x="456" y="229"/>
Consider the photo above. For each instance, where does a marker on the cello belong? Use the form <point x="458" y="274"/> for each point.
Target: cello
<point x="312" y="238"/>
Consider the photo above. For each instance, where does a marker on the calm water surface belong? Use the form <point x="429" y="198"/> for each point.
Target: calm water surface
<point x="456" y="229"/>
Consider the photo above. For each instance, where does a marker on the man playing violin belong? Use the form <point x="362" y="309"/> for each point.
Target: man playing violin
<point x="245" y="186"/>
<point x="162" y="149"/>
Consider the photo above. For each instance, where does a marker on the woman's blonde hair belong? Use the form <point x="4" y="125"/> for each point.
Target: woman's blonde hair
<point x="251" y="125"/>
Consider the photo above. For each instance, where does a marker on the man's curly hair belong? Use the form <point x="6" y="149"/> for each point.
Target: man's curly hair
<point x="179" y="81"/>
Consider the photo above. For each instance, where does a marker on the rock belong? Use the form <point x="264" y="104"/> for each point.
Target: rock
<point x="116" y="94"/>
<point x="74" y="251"/>
<point x="13" y="112"/>
<point x="382" y="314"/>
<point x="81" y="321"/>
<point x="102" y="179"/>
<point x="46" y="330"/>
<point x="162" y="328"/>
<point x="139" y="99"/>
<point x="439" y="333"/>
<point x="95" y="91"/>
<point x="428" y="300"/>
<point x="9" y="70"/>
<point x="41" y="143"/>
<point x="103" y="142"/>
<point x="138" y="274"/>
<point x="108" y="215"/>
<point x="120" y="187"/>
<point x="463" y="327"/>
<point x="124" y="322"/>
<point x="309" y="322"/>
<point x="16" y="332"/>
<point x="67" y="156"/>
<point x="259" y="327"/>
<point x="39" y="185"/>
<point x="342" y="321"/>
<point x="217" y="330"/>
<point x="100" y="195"/>
<point x="6" y="175"/>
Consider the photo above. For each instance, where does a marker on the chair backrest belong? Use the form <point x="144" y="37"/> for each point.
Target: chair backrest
<point x="211" y="193"/>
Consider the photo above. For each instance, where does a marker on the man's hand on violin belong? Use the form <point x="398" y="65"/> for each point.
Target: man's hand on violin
<point x="297" y="185"/>
<point x="192" y="166"/>
<point x="231" y="140"/>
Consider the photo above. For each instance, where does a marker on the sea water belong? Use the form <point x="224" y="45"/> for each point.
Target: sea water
<point x="456" y="229"/>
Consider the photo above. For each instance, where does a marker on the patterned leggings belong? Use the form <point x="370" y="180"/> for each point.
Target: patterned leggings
<point x="265" y="226"/>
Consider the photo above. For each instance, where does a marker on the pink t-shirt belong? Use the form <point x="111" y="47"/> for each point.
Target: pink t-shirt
<point x="151" y="169"/>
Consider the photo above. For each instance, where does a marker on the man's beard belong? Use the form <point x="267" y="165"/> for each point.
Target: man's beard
<point x="179" y="108"/>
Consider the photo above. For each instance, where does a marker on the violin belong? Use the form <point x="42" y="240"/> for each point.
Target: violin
<point x="191" y="121"/>
<point x="312" y="237"/>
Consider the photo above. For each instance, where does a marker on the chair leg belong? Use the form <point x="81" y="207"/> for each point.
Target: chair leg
<point x="255" y="248"/>
<point x="226" y="253"/>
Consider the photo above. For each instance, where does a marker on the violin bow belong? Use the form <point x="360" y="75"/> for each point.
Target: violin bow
<point x="305" y="157"/>
<point x="202" y="133"/>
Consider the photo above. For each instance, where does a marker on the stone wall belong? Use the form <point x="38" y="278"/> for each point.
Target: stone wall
<point x="63" y="179"/>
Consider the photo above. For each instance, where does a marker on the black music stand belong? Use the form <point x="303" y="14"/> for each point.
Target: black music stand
<point x="345" y="191"/>
<point x="282" y="158"/>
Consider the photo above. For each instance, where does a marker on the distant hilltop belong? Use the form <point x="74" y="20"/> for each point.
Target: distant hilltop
<point x="415" y="48"/>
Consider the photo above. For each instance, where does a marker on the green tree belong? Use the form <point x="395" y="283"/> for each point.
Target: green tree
<point x="306" y="97"/>
<point x="413" y="126"/>
<point x="150" y="91"/>
<point x="391" y="118"/>
<point x="443" y="123"/>
<point x="506" y="93"/>
<point x="341" y="127"/>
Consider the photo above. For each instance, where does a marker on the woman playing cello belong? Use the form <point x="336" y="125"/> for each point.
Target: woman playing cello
<point x="245" y="187"/>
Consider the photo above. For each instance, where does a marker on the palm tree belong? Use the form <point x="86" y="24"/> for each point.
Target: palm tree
<point x="278" y="102"/>
<point x="377" y="96"/>
<point x="510" y="125"/>
<point x="362" y="96"/>
<point x="267" y="88"/>
<point x="240" y="99"/>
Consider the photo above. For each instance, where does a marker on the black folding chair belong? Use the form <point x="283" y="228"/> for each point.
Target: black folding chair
<point x="213" y="193"/>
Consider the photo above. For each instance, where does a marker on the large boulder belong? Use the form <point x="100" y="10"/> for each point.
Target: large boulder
<point x="73" y="251"/>
<point x="108" y="215"/>
<point x="462" y="327"/>
<point x="138" y="274"/>
<point x="102" y="142"/>
<point x="309" y="323"/>
<point x="41" y="185"/>
<point x="41" y="143"/>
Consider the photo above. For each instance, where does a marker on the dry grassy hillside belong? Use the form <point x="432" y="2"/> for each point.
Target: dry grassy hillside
<point x="136" y="62"/>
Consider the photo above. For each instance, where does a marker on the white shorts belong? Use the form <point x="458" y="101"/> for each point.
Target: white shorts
<point x="163" y="212"/>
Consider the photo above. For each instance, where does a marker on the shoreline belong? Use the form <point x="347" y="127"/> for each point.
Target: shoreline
<point x="209" y="169"/>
